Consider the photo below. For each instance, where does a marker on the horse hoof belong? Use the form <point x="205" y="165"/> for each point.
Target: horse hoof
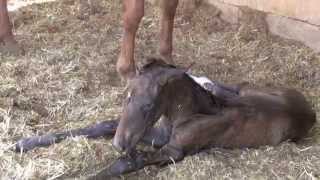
<point x="23" y="145"/>
<point x="11" y="47"/>
<point x="27" y="144"/>
<point x="126" y="71"/>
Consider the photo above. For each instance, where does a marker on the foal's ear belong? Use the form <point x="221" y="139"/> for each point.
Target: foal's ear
<point x="170" y="75"/>
<point x="153" y="61"/>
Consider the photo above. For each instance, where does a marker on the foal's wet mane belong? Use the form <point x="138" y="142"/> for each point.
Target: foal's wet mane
<point x="152" y="63"/>
<point x="155" y="63"/>
<point x="157" y="67"/>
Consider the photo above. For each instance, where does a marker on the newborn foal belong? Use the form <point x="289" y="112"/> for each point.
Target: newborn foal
<point x="195" y="119"/>
<point x="192" y="119"/>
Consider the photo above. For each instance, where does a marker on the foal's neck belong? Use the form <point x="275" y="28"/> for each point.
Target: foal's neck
<point x="186" y="97"/>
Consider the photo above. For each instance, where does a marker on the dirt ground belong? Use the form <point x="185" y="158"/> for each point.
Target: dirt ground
<point x="67" y="79"/>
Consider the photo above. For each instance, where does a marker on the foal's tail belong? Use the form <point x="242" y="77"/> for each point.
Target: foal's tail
<point x="304" y="117"/>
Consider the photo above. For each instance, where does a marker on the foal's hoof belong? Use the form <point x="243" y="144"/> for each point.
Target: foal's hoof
<point x="122" y="166"/>
<point x="10" y="47"/>
<point x="27" y="144"/>
<point x="126" y="165"/>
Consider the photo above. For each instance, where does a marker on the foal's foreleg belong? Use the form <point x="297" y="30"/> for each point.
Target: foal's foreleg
<point x="168" y="11"/>
<point x="102" y="129"/>
<point x="156" y="137"/>
<point x="159" y="136"/>
<point x="167" y="154"/>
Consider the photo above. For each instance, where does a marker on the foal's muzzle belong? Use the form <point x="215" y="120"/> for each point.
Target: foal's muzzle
<point x="118" y="145"/>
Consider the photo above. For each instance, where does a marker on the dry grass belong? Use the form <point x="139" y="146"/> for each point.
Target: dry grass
<point x="67" y="79"/>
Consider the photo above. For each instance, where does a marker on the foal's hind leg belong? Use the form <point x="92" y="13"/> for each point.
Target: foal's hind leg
<point x="201" y="131"/>
<point x="168" y="11"/>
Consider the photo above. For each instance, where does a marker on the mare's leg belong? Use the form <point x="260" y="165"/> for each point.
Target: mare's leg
<point x="168" y="11"/>
<point x="7" y="42"/>
<point x="190" y="137"/>
<point x="5" y="25"/>
<point x="133" y="13"/>
<point x="156" y="137"/>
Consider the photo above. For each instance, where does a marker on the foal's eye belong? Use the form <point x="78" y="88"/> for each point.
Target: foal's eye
<point x="147" y="107"/>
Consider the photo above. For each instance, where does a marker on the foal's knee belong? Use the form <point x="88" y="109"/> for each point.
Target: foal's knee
<point x="133" y="13"/>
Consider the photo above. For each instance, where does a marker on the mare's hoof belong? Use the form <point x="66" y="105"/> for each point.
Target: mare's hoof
<point x="126" y="71"/>
<point x="11" y="47"/>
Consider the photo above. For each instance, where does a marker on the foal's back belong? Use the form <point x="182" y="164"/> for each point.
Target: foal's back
<point x="266" y="116"/>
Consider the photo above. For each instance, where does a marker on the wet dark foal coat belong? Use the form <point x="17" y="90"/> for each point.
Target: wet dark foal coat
<point x="192" y="119"/>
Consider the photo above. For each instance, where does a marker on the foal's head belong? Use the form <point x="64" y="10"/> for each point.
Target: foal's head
<point x="145" y="102"/>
